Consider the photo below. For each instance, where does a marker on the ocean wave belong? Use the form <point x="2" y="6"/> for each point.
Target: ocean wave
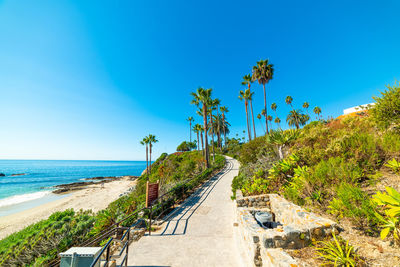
<point x="22" y="198"/>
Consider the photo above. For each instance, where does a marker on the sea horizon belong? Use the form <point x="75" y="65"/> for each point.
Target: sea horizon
<point x="35" y="179"/>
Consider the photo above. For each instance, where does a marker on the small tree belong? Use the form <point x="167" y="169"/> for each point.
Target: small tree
<point x="386" y="111"/>
<point x="186" y="146"/>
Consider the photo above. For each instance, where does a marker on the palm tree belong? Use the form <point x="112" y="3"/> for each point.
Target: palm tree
<point x="224" y="110"/>
<point x="216" y="103"/>
<point x="317" y="111"/>
<point x="278" y="121"/>
<point x="202" y="139"/>
<point x="296" y="118"/>
<point x="190" y="119"/>
<point x="306" y="105"/>
<point x="245" y="96"/>
<point x="289" y="101"/>
<point x="274" y="106"/>
<point x="203" y="97"/>
<point x="259" y="118"/>
<point x="269" y="118"/>
<point x="145" y="142"/>
<point x="220" y="125"/>
<point x="212" y="105"/>
<point x="247" y="80"/>
<point x="263" y="73"/>
<point x="197" y="129"/>
<point x="152" y="140"/>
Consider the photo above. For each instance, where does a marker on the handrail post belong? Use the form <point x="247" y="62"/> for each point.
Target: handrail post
<point x="151" y="211"/>
<point x="127" y="247"/>
<point x="107" y="255"/>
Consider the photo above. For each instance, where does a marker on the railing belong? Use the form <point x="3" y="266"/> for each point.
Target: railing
<point x="106" y="249"/>
<point x="162" y="202"/>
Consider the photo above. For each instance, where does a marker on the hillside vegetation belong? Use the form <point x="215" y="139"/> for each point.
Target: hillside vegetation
<point x="41" y="242"/>
<point x="346" y="167"/>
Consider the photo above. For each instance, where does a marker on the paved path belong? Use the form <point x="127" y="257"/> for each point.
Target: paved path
<point x="199" y="234"/>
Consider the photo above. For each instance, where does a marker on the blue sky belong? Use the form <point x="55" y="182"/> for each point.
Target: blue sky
<point x="89" y="79"/>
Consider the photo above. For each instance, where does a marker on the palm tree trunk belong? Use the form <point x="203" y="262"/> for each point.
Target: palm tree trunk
<point x="262" y="126"/>
<point x="265" y="107"/>
<point x="247" y="119"/>
<point x="198" y="142"/>
<point x="212" y="133"/>
<point x="151" y="148"/>
<point x="147" y="161"/>
<point x="205" y="136"/>
<point x="219" y="130"/>
<point x="252" y="116"/>
<point x="202" y="143"/>
<point x="223" y="119"/>
<point x="190" y="130"/>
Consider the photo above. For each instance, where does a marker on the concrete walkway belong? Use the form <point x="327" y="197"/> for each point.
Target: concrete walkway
<point x="200" y="233"/>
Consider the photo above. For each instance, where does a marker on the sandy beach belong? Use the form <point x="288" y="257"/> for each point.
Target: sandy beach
<point x="94" y="197"/>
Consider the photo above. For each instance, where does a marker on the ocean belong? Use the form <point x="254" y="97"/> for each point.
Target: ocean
<point x="34" y="186"/>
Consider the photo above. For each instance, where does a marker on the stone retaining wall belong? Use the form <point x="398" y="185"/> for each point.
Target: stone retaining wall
<point x="298" y="227"/>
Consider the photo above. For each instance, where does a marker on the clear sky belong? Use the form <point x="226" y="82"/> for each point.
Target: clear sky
<point x="89" y="79"/>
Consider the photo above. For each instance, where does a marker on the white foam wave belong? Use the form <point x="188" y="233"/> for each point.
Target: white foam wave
<point x="22" y="198"/>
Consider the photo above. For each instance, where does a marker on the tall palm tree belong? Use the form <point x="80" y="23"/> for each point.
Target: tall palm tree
<point x="203" y="97"/>
<point x="152" y="140"/>
<point x="269" y="118"/>
<point x="259" y="116"/>
<point x="245" y="96"/>
<point x="220" y="125"/>
<point x="306" y="105"/>
<point x="197" y="129"/>
<point x="247" y="80"/>
<point x="278" y="121"/>
<point x="297" y="118"/>
<point x="263" y="72"/>
<point x="289" y="101"/>
<point x="212" y="105"/>
<point x="216" y="103"/>
<point x="190" y="119"/>
<point x="145" y="142"/>
<point x="224" y="110"/>
<point x="317" y="111"/>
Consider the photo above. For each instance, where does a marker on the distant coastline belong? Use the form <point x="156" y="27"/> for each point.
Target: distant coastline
<point x="89" y="195"/>
<point x="26" y="183"/>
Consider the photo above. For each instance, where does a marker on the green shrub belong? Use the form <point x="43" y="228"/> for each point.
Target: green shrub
<point x="386" y="111"/>
<point x="252" y="150"/>
<point x="353" y="203"/>
<point x="391" y="143"/>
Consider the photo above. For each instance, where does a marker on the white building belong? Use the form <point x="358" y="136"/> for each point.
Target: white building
<point x="358" y="108"/>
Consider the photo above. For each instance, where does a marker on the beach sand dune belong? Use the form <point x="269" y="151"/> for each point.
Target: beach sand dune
<point x="93" y="197"/>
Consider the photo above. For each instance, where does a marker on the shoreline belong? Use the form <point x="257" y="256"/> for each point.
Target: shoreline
<point x="88" y="196"/>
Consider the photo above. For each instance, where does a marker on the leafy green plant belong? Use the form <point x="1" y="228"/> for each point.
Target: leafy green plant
<point x="390" y="221"/>
<point x="394" y="165"/>
<point x="338" y="252"/>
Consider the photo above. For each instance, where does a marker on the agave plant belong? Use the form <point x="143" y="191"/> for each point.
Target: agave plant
<point x="394" y="165"/>
<point x="338" y="252"/>
<point x="391" y="220"/>
<point x="281" y="139"/>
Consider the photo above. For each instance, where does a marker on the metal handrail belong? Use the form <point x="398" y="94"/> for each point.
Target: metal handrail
<point x="115" y="226"/>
